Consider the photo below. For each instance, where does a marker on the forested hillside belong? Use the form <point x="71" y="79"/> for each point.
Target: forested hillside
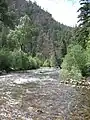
<point x="30" y="37"/>
<point x="52" y="39"/>
<point x="53" y="36"/>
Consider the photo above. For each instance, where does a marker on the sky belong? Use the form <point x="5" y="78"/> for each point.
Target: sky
<point x="63" y="11"/>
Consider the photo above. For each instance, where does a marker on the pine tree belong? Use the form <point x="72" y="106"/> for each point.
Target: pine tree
<point x="84" y="19"/>
<point x="4" y="14"/>
<point x="84" y="16"/>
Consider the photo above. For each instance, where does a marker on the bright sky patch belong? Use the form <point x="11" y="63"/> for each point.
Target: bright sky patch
<point x="64" y="11"/>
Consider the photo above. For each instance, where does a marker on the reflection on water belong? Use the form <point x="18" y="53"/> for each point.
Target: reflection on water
<point x="38" y="95"/>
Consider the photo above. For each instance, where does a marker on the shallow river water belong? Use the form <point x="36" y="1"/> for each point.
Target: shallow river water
<point x="38" y="95"/>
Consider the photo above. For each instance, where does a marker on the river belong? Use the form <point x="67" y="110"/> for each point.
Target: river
<point x="39" y="95"/>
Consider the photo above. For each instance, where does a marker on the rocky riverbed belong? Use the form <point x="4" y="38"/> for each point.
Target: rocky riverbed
<point x="39" y="95"/>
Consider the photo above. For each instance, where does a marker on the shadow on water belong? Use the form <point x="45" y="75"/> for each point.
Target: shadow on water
<point x="38" y="95"/>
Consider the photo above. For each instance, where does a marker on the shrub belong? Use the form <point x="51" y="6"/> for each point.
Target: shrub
<point x="19" y="60"/>
<point x="74" y="63"/>
<point x="74" y="74"/>
<point x="25" y="61"/>
<point x="46" y="63"/>
<point x="75" y="57"/>
<point x="87" y="68"/>
<point x="32" y="63"/>
<point x="38" y="61"/>
<point x="52" y="61"/>
<point x="5" y="60"/>
<point x="40" y="57"/>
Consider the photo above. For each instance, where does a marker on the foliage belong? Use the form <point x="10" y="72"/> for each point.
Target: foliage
<point x="84" y="20"/>
<point x="12" y="41"/>
<point x="22" y="36"/>
<point x="38" y="40"/>
<point x="87" y="52"/>
<point x="19" y="60"/>
<point x="34" y="62"/>
<point x="46" y="63"/>
<point x="41" y="33"/>
<point x="53" y="37"/>
<point x="4" y="14"/>
<point x="5" y="59"/>
<point x="84" y="12"/>
<point x="52" y="61"/>
<point x="76" y="58"/>
<point x="73" y="75"/>
<point x="39" y="62"/>
<point x="40" y="57"/>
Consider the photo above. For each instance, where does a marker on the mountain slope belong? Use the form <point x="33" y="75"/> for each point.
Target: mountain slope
<point x="53" y="37"/>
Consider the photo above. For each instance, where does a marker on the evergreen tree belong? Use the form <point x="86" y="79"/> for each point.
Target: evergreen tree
<point x="4" y="14"/>
<point x="84" y="19"/>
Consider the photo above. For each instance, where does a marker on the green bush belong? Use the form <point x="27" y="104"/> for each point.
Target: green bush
<point x="46" y="63"/>
<point x="25" y="61"/>
<point x="74" y="63"/>
<point x="52" y="61"/>
<point x="74" y="74"/>
<point x="5" y="60"/>
<point x="40" y="57"/>
<point x="75" y="57"/>
<point x="87" y="52"/>
<point x="32" y="63"/>
<point x="19" y="60"/>
<point x="38" y="61"/>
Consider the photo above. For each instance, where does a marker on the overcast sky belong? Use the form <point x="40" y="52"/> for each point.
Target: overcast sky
<point x="63" y="11"/>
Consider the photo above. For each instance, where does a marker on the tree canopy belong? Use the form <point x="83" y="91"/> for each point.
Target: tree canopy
<point x="4" y="14"/>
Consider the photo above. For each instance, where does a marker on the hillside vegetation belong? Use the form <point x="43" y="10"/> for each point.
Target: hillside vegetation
<point x="30" y="38"/>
